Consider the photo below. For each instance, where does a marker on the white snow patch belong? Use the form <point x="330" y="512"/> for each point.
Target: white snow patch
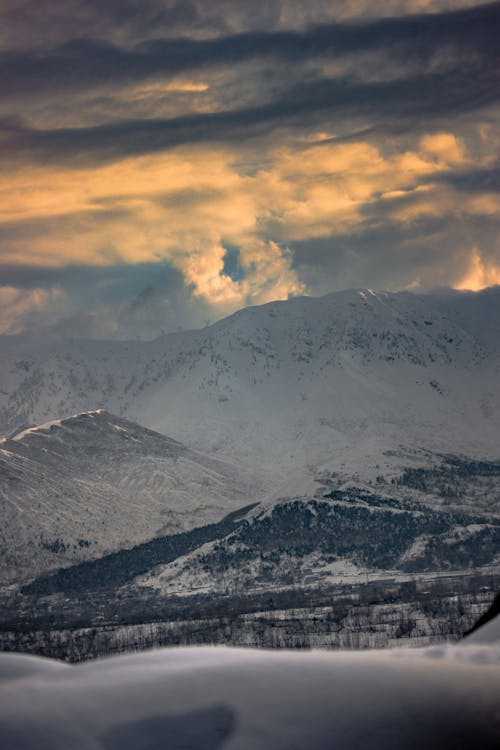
<point x="37" y="429"/>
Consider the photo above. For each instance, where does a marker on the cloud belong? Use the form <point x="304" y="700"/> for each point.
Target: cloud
<point x="267" y="275"/>
<point x="474" y="180"/>
<point x="189" y="201"/>
<point x="242" y="154"/>
<point x="444" y="148"/>
<point x="307" y="216"/>
<point x="19" y="308"/>
<point x="117" y="301"/>
<point x="141" y="300"/>
<point x="393" y="105"/>
<point x="81" y="62"/>
<point x="481" y="273"/>
<point x="428" y="65"/>
<point x="28" y="24"/>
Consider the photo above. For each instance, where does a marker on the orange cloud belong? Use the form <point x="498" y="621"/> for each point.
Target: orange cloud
<point x="480" y="273"/>
<point x="187" y="204"/>
<point x="324" y="189"/>
<point x="268" y="274"/>
<point x="152" y="89"/>
<point x="151" y="207"/>
<point x="445" y="148"/>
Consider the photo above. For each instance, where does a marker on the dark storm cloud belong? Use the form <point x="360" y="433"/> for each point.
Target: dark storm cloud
<point x="474" y="180"/>
<point x="445" y="64"/>
<point x="34" y="24"/>
<point x="426" y="254"/>
<point x="393" y="104"/>
<point x="120" y="276"/>
<point x="119" y="301"/>
<point x="83" y="63"/>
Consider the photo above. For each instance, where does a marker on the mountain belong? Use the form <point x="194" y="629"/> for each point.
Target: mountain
<point x="370" y="395"/>
<point x="356" y="382"/>
<point x="342" y="536"/>
<point x="77" y="488"/>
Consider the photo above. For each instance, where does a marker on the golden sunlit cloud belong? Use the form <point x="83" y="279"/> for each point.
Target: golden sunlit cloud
<point x="268" y="274"/>
<point x="203" y="160"/>
<point x="187" y="205"/>
<point x="445" y="148"/>
<point x="480" y="273"/>
<point x="153" y="89"/>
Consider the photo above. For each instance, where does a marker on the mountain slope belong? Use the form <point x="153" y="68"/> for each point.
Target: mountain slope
<point x="343" y="536"/>
<point x="353" y="382"/>
<point x="77" y="488"/>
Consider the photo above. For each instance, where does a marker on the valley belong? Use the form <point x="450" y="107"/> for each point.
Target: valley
<point x="385" y="613"/>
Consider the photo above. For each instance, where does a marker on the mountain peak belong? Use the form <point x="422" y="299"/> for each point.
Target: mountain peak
<point x="53" y="425"/>
<point x="280" y="387"/>
<point x="75" y="488"/>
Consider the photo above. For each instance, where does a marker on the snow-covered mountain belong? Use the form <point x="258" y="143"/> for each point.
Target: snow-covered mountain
<point x="290" y="389"/>
<point x="354" y="387"/>
<point x="430" y="521"/>
<point x="77" y="488"/>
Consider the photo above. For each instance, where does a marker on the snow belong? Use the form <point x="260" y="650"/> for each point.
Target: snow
<point x="280" y="395"/>
<point x="489" y="633"/>
<point x="42" y="429"/>
<point x="209" y="698"/>
<point x="100" y="483"/>
<point x="37" y="429"/>
<point x="288" y="388"/>
<point x="268" y="401"/>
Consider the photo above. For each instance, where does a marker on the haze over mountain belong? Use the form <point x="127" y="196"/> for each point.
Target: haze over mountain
<point x="289" y="388"/>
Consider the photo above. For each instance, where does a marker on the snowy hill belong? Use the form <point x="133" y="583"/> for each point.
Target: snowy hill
<point x="342" y="537"/>
<point x="77" y="488"/>
<point x="341" y="383"/>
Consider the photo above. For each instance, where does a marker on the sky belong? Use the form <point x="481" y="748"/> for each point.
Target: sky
<point x="164" y="163"/>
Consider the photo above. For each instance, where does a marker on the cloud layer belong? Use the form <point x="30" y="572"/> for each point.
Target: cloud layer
<point x="169" y="163"/>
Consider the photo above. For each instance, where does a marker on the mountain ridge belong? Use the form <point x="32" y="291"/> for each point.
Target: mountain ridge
<point x="286" y="386"/>
<point x="77" y="488"/>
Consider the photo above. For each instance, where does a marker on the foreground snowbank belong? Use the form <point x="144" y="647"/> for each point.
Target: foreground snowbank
<point x="210" y="698"/>
<point x="489" y="630"/>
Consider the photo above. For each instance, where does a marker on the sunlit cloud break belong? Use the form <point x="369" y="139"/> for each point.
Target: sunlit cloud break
<point x="313" y="148"/>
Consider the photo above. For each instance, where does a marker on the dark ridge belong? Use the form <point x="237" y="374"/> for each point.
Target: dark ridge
<point x="114" y="570"/>
<point x="349" y="530"/>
